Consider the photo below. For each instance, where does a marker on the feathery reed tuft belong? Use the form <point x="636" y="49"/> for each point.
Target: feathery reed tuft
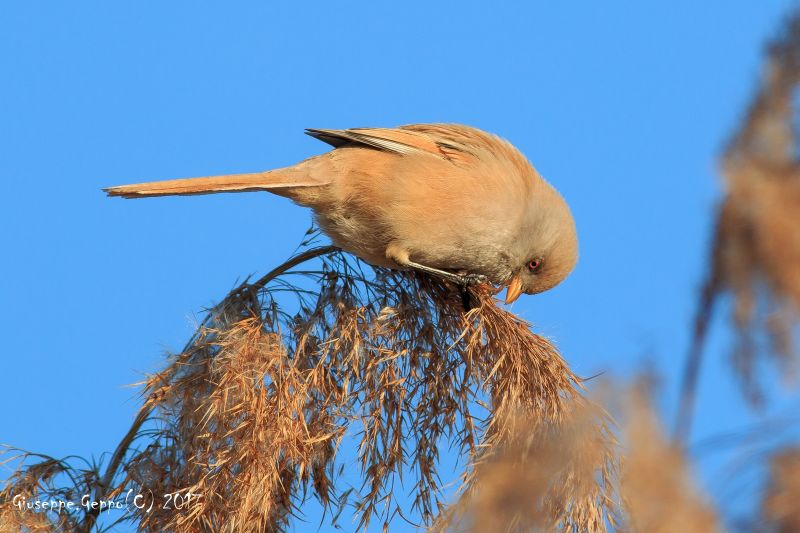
<point x="656" y="485"/>
<point x="780" y="507"/>
<point x="39" y="478"/>
<point x="542" y="475"/>
<point x="756" y="245"/>
<point x="246" y="422"/>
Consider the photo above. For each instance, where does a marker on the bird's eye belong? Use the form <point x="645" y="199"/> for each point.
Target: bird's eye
<point x="534" y="264"/>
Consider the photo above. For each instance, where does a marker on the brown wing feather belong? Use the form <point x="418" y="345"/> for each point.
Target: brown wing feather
<point x="403" y="140"/>
<point x="463" y="143"/>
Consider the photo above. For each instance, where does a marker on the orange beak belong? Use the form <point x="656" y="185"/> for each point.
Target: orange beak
<point x="514" y="289"/>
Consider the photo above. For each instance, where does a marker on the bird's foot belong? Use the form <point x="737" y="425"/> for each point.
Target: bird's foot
<point x="464" y="283"/>
<point x="472" y="279"/>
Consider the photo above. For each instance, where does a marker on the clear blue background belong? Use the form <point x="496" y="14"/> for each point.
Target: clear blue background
<point x="624" y="106"/>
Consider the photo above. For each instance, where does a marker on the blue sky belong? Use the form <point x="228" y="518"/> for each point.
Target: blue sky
<point x="623" y="106"/>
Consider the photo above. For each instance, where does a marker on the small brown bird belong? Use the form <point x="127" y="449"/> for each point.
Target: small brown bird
<point x="448" y="200"/>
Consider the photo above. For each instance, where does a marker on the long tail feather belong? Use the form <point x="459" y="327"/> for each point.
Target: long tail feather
<point x="258" y="181"/>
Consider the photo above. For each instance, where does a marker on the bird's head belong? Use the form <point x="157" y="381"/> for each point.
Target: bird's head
<point x="546" y="248"/>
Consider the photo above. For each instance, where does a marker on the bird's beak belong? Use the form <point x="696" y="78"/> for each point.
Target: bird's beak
<point x="514" y="289"/>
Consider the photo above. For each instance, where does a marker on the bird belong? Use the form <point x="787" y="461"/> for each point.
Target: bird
<point x="448" y="200"/>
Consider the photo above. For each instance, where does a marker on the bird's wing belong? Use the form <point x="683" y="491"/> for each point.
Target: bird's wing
<point x="404" y="140"/>
<point x="465" y="144"/>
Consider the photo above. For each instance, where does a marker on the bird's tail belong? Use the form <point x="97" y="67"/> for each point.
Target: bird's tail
<point x="273" y="180"/>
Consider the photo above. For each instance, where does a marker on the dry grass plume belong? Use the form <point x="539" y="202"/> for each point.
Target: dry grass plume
<point x="251" y="415"/>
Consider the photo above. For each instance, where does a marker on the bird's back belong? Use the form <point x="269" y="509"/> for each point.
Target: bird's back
<point x="460" y="198"/>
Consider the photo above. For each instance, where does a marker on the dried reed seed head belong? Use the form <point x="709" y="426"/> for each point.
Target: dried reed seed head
<point x="36" y="481"/>
<point x="259" y="408"/>
<point x="780" y="508"/>
<point x="544" y="476"/>
<point x="756" y="244"/>
<point x="251" y="414"/>
<point x="656" y="484"/>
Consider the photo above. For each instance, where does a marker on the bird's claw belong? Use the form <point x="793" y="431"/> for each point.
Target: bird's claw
<point x="464" y="282"/>
<point x="472" y="279"/>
